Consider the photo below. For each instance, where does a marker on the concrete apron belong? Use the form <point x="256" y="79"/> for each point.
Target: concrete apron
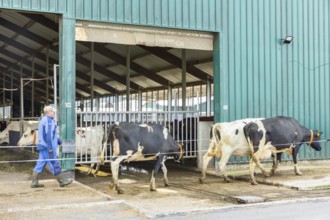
<point x="76" y="201"/>
<point x="19" y="201"/>
<point x="284" y="177"/>
<point x="292" y="181"/>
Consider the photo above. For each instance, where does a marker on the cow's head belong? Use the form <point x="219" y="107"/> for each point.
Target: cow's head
<point x="29" y="137"/>
<point x="178" y="158"/>
<point x="314" y="141"/>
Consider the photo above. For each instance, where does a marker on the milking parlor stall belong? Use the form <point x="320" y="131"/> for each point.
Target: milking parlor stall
<point x="174" y="69"/>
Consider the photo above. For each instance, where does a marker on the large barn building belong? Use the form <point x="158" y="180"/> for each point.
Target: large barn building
<point x="229" y="59"/>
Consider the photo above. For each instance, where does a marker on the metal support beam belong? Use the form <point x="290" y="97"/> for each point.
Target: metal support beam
<point x="41" y="56"/>
<point x="80" y="59"/>
<point x="208" y="97"/>
<point x="92" y="76"/>
<point x="134" y="66"/>
<point x="169" y="97"/>
<point x="55" y="91"/>
<point x="184" y="79"/>
<point x="67" y="46"/>
<point x="11" y="93"/>
<point x="140" y="101"/>
<point x="22" y="89"/>
<point x="47" y="75"/>
<point x="220" y="114"/>
<point x="3" y="95"/>
<point x="163" y="54"/>
<point x="32" y="89"/>
<point x="128" y="76"/>
<point x="116" y="102"/>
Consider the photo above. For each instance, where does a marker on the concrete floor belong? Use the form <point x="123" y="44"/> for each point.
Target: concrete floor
<point x="90" y="197"/>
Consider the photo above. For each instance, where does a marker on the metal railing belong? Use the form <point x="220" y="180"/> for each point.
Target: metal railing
<point x="181" y="124"/>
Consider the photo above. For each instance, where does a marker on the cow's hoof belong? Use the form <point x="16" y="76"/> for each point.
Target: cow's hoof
<point x="254" y="182"/>
<point x="153" y="190"/>
<point x="111" y="185"/>
<point x="266" y="174"/>
<point x="166" y="182"/>
<point x="120" y="191"/>
<point x="201" y="180"/>
<point x="227" y="180"/>
<point x="299" y="173"/>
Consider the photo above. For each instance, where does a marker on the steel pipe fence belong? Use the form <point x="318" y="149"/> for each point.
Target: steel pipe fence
<point x="182" y="125"/>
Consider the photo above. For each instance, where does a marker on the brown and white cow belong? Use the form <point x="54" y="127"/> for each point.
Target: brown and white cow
<point x="89" y="141"/>
<point x="227" y="139"/>
<point x="275" y="136"/>
<point x="141" y="142"/>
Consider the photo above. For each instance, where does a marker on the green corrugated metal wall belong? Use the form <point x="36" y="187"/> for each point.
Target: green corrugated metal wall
<point x="264" y="77"/>
<point x="183" y="14"/>
<point x="257" y="75"/>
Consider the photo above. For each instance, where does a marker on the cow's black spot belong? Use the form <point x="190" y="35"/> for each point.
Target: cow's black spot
<point x="236" y="131"/>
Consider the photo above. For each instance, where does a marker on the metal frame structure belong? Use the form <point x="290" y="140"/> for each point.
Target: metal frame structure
<point x="175" y="121"/>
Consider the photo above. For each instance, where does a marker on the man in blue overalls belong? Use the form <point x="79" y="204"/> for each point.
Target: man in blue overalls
<point x="48" y="142"/>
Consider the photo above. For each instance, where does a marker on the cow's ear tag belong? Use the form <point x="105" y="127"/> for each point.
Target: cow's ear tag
<point x="318" y="134"/>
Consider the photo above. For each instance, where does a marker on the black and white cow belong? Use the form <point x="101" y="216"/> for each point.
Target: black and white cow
<point x="277" y="135"/>
<point x="141" y="142"/>
<point x="226" y="139"/>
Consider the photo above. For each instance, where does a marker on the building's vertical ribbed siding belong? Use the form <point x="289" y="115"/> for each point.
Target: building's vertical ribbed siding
<point x="267" y="78"/>
<point x="182" y="14"/>
<point x="326" y="92"/>
<point x="52" y="6"/>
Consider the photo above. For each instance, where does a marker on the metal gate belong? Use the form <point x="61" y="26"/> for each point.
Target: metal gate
<point x="181" y="124"/>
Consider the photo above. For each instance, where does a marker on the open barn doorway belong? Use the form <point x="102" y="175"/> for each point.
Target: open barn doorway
<point x="29" y="48"/>
<point x="28" y="51"/>
<point x="144" y="74"/>
<point x="126" y="59"/>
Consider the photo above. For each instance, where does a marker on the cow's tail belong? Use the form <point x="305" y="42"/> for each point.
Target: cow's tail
<point x="215" y="138"/>
<point x="180" y="153"/>
<point x="216" y="134"/>
<point x="250" y="145"/>
<point x="247" y="132"/>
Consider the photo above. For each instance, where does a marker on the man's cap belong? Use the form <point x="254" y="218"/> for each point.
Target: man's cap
<point x="48" y="108"/>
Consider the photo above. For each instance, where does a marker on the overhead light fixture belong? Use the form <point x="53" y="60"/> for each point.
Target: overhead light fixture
<point x="287" y="40"/>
